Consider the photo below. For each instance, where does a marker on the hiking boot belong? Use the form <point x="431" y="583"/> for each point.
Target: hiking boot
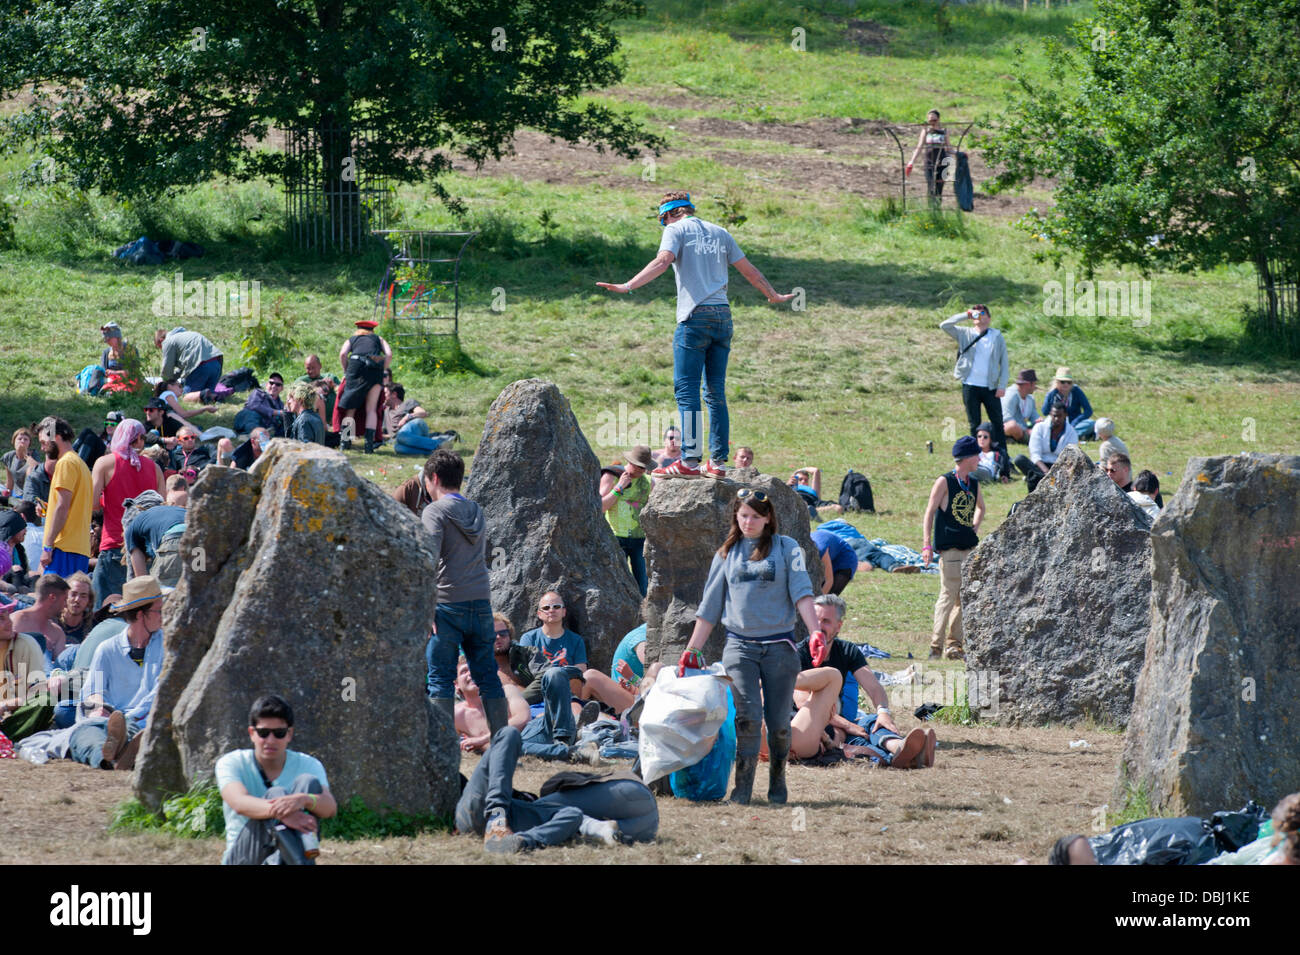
<point x="954" y="653"/>
<point x="776" y="791"/>
<point x="633" y="714"/>
<point x="678" y="469"/>
<point x="714" y="470"/>
<point x="370" y="440"/>
<point x="126" y="759"/>
<point x="116" y="739"/>
<point x="935" y="654"/>
<point x="745" y="768"/>
<point x="497" y="711"/>
<point x="498" y="839"/>
<point x="590" y="713"/>
<point x="588" y="752"/>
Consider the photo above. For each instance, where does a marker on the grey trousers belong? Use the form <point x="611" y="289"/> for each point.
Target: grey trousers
<point x="764" y="675"/>
<point x="268" y="841"/>
<point x="554" y="819"/>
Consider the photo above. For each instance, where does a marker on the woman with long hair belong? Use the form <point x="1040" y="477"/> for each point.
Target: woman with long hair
<point x="365" y="357"/>
<point x="758" y="584"/>
<point x="934" y="140"/>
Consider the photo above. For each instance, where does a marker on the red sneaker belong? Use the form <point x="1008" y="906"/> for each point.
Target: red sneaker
<point x="714" y="470"/>
<point x="678" y="469"/>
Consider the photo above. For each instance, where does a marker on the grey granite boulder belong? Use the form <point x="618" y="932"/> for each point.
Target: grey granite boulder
<point x="685" y="522"/>
<point x="1214" y="720"/>
<point x="1055" y="603"/>
<point x="303" y="580"/>
<point x="536" y="478"/>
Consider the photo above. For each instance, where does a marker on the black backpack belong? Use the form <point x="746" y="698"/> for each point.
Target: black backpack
<point x="855" y="493"/>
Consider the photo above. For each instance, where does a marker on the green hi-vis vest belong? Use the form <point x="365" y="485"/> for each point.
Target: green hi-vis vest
<point x="625" y="516"/>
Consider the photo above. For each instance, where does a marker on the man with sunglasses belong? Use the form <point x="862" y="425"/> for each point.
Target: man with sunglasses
<point x="272" y="796"/>
<point x="699" y="253"/>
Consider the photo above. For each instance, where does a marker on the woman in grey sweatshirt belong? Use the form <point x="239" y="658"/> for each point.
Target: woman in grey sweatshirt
<point x="757" y="584"/>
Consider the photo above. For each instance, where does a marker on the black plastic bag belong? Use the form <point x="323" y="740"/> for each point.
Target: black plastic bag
<point x="1185" y="840"/>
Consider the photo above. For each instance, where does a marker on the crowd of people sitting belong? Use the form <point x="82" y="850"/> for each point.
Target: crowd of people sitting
<point x="90" y="547"/>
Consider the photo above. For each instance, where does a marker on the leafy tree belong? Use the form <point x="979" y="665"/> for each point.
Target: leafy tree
<point x="1173" y="129"/>
<point x="139" y="96"/>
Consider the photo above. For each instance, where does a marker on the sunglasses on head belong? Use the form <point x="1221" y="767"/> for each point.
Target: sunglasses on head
<point x="552" y="606"/>
<point x="264" y="731"/>
<point x="746" y="493"/>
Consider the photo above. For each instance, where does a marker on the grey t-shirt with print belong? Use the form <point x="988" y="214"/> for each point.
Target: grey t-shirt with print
<point x="703" y="253"/>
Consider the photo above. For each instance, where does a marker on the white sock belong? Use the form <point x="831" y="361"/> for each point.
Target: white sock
<point x="599" y="830"/>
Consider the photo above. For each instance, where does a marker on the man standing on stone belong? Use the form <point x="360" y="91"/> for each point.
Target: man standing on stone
<point x="699" y="253"/>
<point x="463" y="619"/>
<point x="954" y="512"/>
<point x="982" y="369"/>
<point x="67" y="529"/>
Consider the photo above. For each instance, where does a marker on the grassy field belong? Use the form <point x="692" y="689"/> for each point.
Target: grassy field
<point x="860" y="378"/>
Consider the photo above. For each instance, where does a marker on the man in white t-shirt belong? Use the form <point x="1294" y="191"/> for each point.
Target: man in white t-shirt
<point x="273" y="796"/>
<point x="699" y="253"/>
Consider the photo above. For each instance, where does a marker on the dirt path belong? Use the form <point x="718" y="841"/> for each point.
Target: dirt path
<point x="995" y="795"/>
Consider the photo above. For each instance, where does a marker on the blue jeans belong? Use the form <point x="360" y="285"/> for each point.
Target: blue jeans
<point x="465" y="624"/>
<point x="266" y="841"/>
<point x="1085" y="428"/>
<point x="205" y="377"/>
<point x="763" y="675"/>
<point x="634" y="548"/>
<point x="86" y="744"/>
<point x="876" y="738"/>
<point x="110" y="575"/>
<point x="556" y="818"/>
<point x="701" y="347"/>
<point x="413" y="438"/>
<point x="548" y="736"/>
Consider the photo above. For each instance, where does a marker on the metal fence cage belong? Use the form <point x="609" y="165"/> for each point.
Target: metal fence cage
<point x="1281" y="305"/>
<point x="331" y="199"/>
<point x="420" y="291"/>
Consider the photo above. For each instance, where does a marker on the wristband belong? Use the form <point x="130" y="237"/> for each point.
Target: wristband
<point x="885" y="709"/>
<point x="313" y="801"/>
<point x="47" y="550"/>
<point x="617" y="492"/>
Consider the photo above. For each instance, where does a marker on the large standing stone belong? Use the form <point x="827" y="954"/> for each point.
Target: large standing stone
<point x="1214" y="720"/>
<point x="685" y="522"/>
<point x="536" y="478"/>
<point x="1055" y="602"/>
<point x="304" y="580"/>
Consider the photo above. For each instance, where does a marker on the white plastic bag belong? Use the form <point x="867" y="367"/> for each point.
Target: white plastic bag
<point x="681" y="719"/>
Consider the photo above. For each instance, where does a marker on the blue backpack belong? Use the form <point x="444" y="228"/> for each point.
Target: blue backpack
<point x="90" y="379"/>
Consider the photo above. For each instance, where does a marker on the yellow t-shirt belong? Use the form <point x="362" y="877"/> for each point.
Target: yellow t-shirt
<point x="21" y="664"/>
<point x="71" y="473"/>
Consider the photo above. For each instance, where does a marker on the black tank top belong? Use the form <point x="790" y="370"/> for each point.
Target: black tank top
<point x="363" y="345"/>
<point x="952" y="525"/>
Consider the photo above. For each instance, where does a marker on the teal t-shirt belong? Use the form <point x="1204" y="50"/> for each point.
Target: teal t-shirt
<point x="240" y="766"/>
<point x="575" y="649"/>
<point x="627" y="651"/>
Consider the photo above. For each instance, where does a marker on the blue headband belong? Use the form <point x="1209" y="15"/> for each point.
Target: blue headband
<point x="674" y="204"/>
